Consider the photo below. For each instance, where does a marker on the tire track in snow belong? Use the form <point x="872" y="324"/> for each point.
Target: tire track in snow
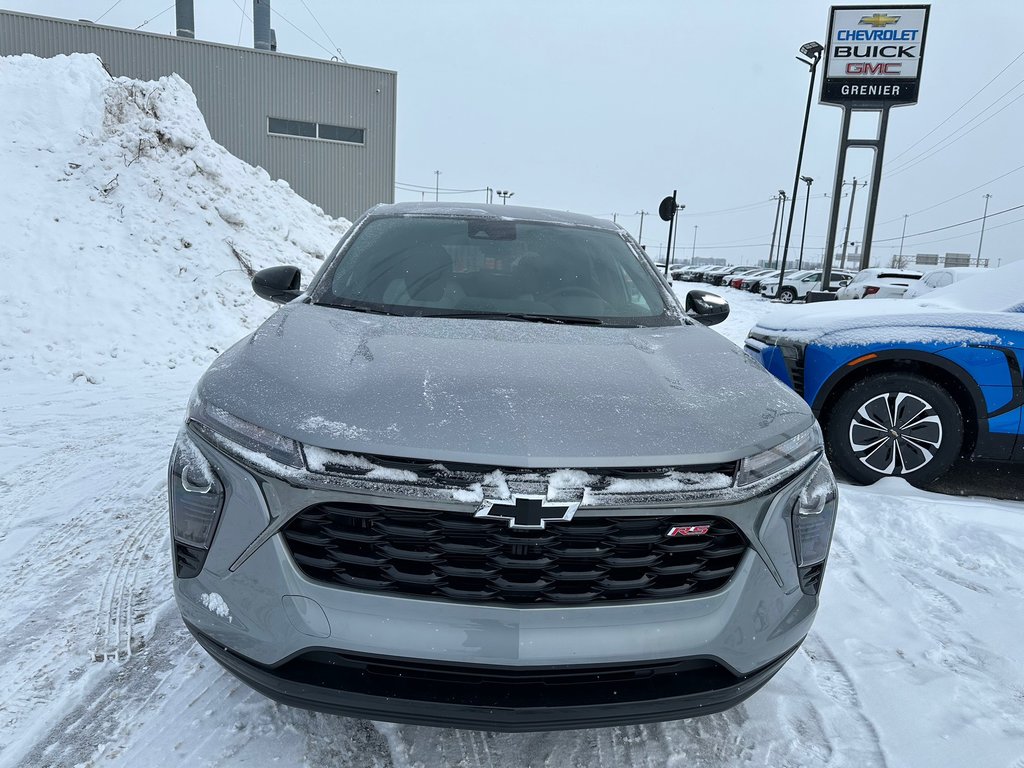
<point x="51" y="585"/>
<point x="850" y="720"/>
<point x="123" y="600"/>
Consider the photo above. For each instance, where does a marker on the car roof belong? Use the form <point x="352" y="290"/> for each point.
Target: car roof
<point x="483" y="211"/>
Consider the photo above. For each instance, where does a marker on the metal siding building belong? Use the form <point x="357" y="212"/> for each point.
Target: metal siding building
<point x="238" y="89"/>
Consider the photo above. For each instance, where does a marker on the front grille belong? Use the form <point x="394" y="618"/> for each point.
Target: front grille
<point x="456" y="556"/>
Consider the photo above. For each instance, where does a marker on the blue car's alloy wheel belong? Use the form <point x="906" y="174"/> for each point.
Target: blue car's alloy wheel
<point x="894" y="425"/>
<point x="895" y="433"/>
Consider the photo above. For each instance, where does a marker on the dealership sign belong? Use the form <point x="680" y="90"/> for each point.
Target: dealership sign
<point x="874" y="54"/>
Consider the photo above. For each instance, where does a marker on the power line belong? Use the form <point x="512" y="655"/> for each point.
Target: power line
<point x="241" y="25"/>
<point x="951" y="226"/>
<point x="952" y="138"/>
<point x="290" y="24"/>
<point x="154" y="18"/>
<point x="301" y="32"/>
<point x="967" y="234"/>
<point x="326" y="34"/>
<point x="957" y="110"/>
<point x="955" y="197"/>
<point x="107" y="11"/>
<point x="424" y="188"/>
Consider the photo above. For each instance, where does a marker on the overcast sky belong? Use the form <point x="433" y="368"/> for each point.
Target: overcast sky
<point x="605" y="107"/>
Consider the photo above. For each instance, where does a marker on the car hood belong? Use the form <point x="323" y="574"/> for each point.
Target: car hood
<point x="505" y="393"/>
<point x="889" y="320"/>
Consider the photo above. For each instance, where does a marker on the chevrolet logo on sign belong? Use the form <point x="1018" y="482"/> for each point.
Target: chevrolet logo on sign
<point x="879" y="20"/>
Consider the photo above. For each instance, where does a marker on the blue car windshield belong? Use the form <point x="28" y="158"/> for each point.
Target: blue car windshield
<point x="476" y="267"/>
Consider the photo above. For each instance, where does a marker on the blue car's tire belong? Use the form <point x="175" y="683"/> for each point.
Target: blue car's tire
<point x="895" y="425"/>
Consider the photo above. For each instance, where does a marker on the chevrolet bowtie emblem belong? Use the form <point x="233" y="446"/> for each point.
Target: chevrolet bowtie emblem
<point x="527" y="511"/>
<point x="879" y="20"/>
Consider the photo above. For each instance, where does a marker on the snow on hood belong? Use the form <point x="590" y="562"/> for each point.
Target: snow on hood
<point x="126" y="226"/>
<point x="972" y="311"/>
<point x="505" y="393"/>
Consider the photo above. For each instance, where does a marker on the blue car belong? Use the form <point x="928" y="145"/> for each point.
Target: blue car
<point x="906" y="387"/>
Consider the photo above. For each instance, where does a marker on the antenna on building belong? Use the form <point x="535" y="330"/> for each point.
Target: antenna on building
<point x="185" y="12"/>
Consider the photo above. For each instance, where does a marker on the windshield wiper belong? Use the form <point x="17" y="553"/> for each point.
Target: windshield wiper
<point x="356" y="308"/>
<point x="526" y="317"/>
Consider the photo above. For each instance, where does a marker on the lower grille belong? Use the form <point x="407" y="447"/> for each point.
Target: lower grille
<point x="188" y="561"/>
<point x="455" y="556"/>
<point x="484" y="686"/>
<point x="796" y="374"/>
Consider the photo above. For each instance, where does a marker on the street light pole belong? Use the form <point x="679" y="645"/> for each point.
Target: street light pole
<point x="812" y="51"/>
<point x="437" y="185"/>
<point x="693" y="253"/>
<point x="981" y="240"/>
<point x="803" y="234"/>
<point x="504" y="194"/>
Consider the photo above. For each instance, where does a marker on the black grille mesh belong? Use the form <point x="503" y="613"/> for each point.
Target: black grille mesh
<point x="455" y="556"/>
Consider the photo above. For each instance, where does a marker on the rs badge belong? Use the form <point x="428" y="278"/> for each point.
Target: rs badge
<point x="688" y="530"/>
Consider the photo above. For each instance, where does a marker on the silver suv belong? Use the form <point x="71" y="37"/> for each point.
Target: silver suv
<point x="485" y="471"/>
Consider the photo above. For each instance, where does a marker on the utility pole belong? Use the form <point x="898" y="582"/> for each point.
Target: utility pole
<point x="693" y="253"/>
<point x="640" y="237"/>
<point x="981" y="240"/>
<point x="437" y="186"/>
<point x="615" y="218"/>
<point x="905" y="216"/>
<point x="849" y="219"/>
<point x="803" y="235"/>
<point x="490" y="195"/>
<point x="775" y="228"/>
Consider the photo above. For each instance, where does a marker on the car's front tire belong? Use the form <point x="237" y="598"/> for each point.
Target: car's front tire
<point x="787" y="295"/>
<point x="895" y="425"/>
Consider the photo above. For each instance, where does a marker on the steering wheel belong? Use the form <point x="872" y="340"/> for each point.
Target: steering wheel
<point x="575" y="290"/>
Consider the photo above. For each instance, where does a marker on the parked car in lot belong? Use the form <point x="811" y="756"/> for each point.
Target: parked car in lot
<point x="904" y="388"/>
<point x="485" y="471"/>
<point x="754" y="282"/>
<point x="737" y="280"/>
<point x="682" y="271"/>
<point x="940" y="278"/>
<point x="708" y="275"/>
<point x="879" y="283"/>
<point x="723" y="278"/>
<point x="798" y="284"/>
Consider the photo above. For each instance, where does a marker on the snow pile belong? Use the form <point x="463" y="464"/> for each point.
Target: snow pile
<point x="128" y="233"/>
<point x="999" y="290"/>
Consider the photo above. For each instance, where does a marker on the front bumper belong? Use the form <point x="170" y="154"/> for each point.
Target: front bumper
<point x="258" y="619"/>
<point x="491" y="698"/>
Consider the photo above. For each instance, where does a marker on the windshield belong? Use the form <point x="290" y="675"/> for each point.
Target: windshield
<point x="494" y="268"/>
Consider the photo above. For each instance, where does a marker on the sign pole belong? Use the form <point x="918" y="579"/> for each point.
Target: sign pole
<point x="876" y="183"/>
<point x="873" y="60"/>
<point x="837" y="193"/>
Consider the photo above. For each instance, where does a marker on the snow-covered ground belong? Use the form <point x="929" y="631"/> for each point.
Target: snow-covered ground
<point x="117" y="294"/>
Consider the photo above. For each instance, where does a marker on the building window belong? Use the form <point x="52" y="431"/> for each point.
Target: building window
<point x="341" y="133"/>
<point x="291" y="127"/>
<point x="303" y="129"/>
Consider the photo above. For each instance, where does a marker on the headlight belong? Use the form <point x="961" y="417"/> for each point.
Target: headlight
<point x="782" y="457"/>
<point x="814" y="516"/>
<point x="243" y="439"/>
<point x="196" y="498"/>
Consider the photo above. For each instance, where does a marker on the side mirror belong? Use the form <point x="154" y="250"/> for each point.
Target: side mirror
<point x="843" y="283"/>
<point x="706" y="308"/>
<point x="277" y="284"/>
